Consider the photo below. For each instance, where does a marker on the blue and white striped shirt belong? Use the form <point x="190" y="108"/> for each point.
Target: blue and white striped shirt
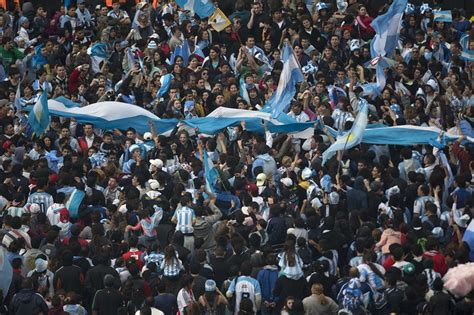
<point x="185" y="217"/>
<point x="43" y="199"/>
<point x="369" y="276"/>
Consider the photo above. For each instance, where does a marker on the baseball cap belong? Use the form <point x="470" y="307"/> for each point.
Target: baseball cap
<point x="286" y="181"/>
<point x="41" y="265"/>
<point x="147" y="136"/>
<point x="64" y="215"/>
<point x="261" y="178"/>
<point x="306" y="173"/>
<point x="157" y="162"/>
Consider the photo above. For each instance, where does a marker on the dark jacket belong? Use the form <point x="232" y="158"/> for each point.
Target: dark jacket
<point x="357" y="196"/>
<point x="28" y="301"/>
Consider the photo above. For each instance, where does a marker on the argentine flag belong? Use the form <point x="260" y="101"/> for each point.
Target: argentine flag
<point x="203" y="8"/>
<point x="387" y="27"/>
<point x="98" y="53"/>
<point x="183" y="51"/>
<point x="165" y="85"/>
<point x="290" y="76"/>
<point x="442" y="16"/>
<point x="353" y="137"/>
<point x="210" y="173"/>
<point x="468" y="237"/>
<point x="39" y="115"/>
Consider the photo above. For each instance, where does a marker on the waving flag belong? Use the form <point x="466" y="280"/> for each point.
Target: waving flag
<point x="353" y="137"/>
<point x="183" y="51"/>
<point x="98" y="53"/>
<point x="387" y="27"/>
<point x="17" y="98"/>
<point x="243" y="91"/>
<point x="219" y="21"/>
<point x="334" y="92"/>
<point x="39" y="115"/>
<point x="203" y="8"/>
<point x="210" y="172"/>
<point x="467" y="55"/>
<point x="290" y="76"/>
<point x="165" y="84"/>
<point x="442" y="16"/>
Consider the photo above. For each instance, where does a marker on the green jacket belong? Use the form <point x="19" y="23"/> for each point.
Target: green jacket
<point x="10" y="56"/>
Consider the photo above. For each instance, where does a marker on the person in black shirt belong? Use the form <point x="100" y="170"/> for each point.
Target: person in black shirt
<point x="107" y="300"/>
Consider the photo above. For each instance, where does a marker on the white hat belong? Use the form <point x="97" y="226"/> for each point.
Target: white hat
<point x="133" y="147"/>
<point x="425" y="8"/>
<point x="154" y="184"/>
<point x="41" y="265"/>
<point x="334" y="198"/>
<point x="34" y="208"/>
<point x="306" y="173"/>
<point x="286" y="181"/>
<point x="147" y="136"/>
<point x="438" y="232"/>
<point x="321" y="6"/>
<point x="433" y="84"/>
<point x="261" y="178"/>
<point x="463" y="221"/>
<point x="245" y="210"/>
<point x="316" y="203"/>
<point x="157" y="162"/>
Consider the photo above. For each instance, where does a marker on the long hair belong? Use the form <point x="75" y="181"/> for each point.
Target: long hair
<point x="170" y="254"/>
<point x="318" y="289"/>
<point x="290" y="253"/>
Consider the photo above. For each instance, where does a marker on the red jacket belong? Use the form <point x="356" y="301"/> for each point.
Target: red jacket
<point x="439" y="261"/>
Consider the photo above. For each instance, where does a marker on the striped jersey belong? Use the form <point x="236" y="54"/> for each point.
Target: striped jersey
<point x="184" y="220"/>
<point x="244" y="287"/>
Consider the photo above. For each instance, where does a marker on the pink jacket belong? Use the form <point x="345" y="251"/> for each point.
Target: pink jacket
<point x="389" y="237"/>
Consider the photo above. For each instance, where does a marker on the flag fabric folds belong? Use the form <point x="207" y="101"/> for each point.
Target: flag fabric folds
<point x="290" y="76"/>
<point x="219" y="21"/>
<point x="353" y="137"/>
<point x="183" y="51"/>
<point x="39" y="115"/>
<point x="98" y="53"/>
<point x="165" y="84"/>
<point x="210" y="172"/>
<point x="387" y="28"/>
<point x="203" y="8"/>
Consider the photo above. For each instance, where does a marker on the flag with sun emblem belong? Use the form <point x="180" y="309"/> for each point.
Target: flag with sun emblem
<point x="353" y="137"/>
<point x="219" y="21"/>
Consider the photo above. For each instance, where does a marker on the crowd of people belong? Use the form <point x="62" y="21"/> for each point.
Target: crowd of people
<point x="117" y="222"/>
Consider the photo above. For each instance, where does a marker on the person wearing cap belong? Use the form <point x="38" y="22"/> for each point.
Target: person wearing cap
<point x="43" y="275"/>
<point x="212" y="301"/>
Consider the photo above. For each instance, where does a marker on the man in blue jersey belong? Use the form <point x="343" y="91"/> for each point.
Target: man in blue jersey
<point x="185" y="218"/>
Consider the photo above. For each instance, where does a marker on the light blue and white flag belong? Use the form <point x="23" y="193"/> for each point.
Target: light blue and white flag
<point x="165" y="84"/>
<point x="18" y="98"/>
<point x="6" y="271"/>
<point x="98" y="53"/>
<point x="387" y="28"/>
<point x="290" y="76"/>
<point x="467" y="55"/>
<point x="210" y="172"/>
<point x="39" y="115"/>
<point x="464" y="41"/>
<point x="67" y="102"/>
<point x="113" y="115"/>
<point x="203" y="8"/>
<point x="183" y="51"/>
<point x="442" y="16"/>
<point x="131" y="60"/>
<point x="468" y="237"/>
<point x="243" y="90"/>
<point x="353" y="137"/>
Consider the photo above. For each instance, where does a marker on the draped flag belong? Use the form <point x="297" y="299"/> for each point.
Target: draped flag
<point x="39" y="115"/>
<point x="211" y="173"/>
<point x="219" y="21"/>
<point x="165" y="84"/>
<point x="334" y="92"/>
<point x="442" y="16"/>
<point x="467" y="55"/>
<point x="98" y="53"/>
<point x="353" y="137"/>
<point x="290" y="76"/>
<point x="203" y="8"/>
<point x="183" y="51"/>
<point x="6" y="271"/>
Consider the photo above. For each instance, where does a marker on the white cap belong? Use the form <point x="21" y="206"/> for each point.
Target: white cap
<point x="286" y="181"/>
<point x="433" y="84"/>
<point x="34" y="208"/>
<point x="245" y="210"/>
<point x="157" y="162"/>
<point x="154" y="184"/>
<point x="147" y="136"/>
<point x="261" y="178"/>
<point x="133" y="147"/>
<point x="306" y="173"/>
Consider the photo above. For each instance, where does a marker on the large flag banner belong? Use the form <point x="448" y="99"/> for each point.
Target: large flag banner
<point x="442" y="16"/>
<point x="203" y="8"/>
<point x="219" y="21"/>
<point x="353" y="137"/>
<point x="290" y="76"/>
<point x="39" y="115"/>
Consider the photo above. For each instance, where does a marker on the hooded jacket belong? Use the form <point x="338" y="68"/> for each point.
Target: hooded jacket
<point x="28" y="302"/>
